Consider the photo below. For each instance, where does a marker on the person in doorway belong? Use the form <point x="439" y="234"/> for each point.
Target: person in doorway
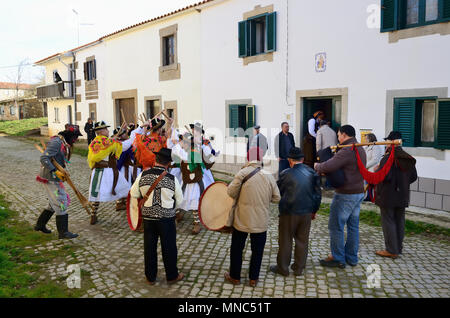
<point x="284" y="142"/>
<point x="309" y="142"/>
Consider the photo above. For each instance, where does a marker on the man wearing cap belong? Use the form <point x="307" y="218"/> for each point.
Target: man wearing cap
<point x="284" y="141"/>
<point x="392" y="196"/>
<point x="254" y="190"/>
<point x="58" y="148"/>
<point x="258" y="140"/>
<point x="309" y="142"/>
<point x="300" y="199"/>
<point x="346" y="202"/>
<point x="106" y="184"/>
<point x="158" y="213"/>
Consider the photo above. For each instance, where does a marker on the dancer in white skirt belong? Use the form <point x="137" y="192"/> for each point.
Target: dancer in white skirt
<point x="127" y="163"/>
<point x="107" y="184"/>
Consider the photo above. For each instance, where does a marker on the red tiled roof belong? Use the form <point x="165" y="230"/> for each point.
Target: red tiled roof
<point x="130" y="27"/>
<point x="7" y="85"/>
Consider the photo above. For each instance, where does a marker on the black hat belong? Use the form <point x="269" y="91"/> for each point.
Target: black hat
<point x="166" y="153"/>
<point x="73" y="128"/>
<point x="295" y="153"/>
<point x="257" y="127"/>
<point x="100" y="125"/>
<point x="394" y="135"/>
<point x="157" y="123"/>
<point x="69" y="136"/>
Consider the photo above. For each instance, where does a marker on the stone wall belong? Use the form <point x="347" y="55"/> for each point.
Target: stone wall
<point x="431" y="194"/>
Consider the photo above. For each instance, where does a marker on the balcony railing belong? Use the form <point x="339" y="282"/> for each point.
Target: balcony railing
<point x="55" y="91"/>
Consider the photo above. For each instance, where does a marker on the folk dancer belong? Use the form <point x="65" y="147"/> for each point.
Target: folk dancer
<point x="52" y="180"/>
<point x="146" y="144"/>
<point x="127" y="162"/>
<point x="106" y="184"/>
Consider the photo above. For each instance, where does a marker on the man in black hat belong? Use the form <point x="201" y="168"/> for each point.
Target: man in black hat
<point x="58" y="148"/>
<point x="158" y="212"/>
<point x="300" y="199"/>
<point x="392" y="196"/>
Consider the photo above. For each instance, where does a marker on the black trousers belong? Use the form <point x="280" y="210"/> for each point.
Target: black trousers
<point x="393" y="224"/>
<point x="166" y="230"/>
<point x="293" y="227"/>
<point x="257" y="241"/>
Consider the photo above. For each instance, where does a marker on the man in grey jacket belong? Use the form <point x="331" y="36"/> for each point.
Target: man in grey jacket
<point x="326" y="137"/>
<point x="58" y="148"/>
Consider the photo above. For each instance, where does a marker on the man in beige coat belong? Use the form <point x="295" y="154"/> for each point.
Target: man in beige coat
<point x="254" y="189"/>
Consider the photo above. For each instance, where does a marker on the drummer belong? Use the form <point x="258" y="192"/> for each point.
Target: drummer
<point x="159" y="217"/>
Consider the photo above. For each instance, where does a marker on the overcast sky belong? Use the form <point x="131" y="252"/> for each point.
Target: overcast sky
<point x="34" y="29"/>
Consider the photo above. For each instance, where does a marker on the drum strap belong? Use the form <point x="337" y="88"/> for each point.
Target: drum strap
<point x="153" y="186"/>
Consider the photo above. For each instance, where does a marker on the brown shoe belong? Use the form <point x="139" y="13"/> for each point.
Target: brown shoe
<point x="386" y="254"/>
<point x="196" y="229"/>
<point x="231" y="280"/>
<point x="173" y="281"/>
<point x="253" y="282"/>
<point x="150" y="283"/>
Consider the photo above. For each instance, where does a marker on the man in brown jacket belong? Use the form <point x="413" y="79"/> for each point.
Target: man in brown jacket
<point x="254" y="194"/>
<point x="346" y="201"/>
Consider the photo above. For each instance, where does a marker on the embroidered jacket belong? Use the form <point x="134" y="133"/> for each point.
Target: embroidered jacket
<point x="164" y="200"/>
<point x="101" y="147"/>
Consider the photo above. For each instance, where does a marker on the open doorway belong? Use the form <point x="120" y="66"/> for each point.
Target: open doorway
<point x="328" y="105"/>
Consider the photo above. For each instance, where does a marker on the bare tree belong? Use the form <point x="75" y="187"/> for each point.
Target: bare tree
<point x="17" y="78"/>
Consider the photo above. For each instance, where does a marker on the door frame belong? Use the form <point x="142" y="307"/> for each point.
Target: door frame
<point x="130" y="93"/>
<point x="323" y="93"/>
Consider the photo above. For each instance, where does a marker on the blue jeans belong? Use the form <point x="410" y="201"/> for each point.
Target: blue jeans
<point x="345" y="210"/>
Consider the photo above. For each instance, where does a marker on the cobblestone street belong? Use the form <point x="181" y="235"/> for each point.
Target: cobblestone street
<point x="113" y="254"/>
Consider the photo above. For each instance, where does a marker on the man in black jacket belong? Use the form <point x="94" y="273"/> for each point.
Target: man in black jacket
<point x="89" y="130"/>
<point x="392" y="196"/>
<point x="283" y="144"/>
<point x="300" y="200"/>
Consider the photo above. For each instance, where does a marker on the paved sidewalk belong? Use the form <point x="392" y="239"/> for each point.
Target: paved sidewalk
<point x="113" y="254"/>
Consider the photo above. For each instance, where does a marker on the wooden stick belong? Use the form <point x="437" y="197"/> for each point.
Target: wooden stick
<point x="395" y="142"/>
<point x="123" y="115"/>
<point x="142" y="118"/>
<point x="84" y="202"/>
<point x="145" y="117"/>
<point x="43" y="144"/>
<point x="164" y="114"/>
<point x="135" y="119"/>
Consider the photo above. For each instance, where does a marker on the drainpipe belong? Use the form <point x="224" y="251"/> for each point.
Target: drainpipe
<point x="74" y="87"/>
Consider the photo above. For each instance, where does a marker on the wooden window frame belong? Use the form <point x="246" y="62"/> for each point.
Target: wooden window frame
<point x="417" y="122"/>
<point x="171" y="71"/>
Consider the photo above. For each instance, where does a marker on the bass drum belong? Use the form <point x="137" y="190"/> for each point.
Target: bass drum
<point x="134" y="214"/>
<point x="214" y="206"/>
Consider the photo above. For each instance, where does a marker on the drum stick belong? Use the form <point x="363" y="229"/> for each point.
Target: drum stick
<point x="395" y="142"/>
<point x="123" y="115"/>
<point x="145" y="117"/>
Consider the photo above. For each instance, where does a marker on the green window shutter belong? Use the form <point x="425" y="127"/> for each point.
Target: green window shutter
<point x="389" y="15"/>
<point x="443" y="124"/>
<point x="271" y="32"/>
<point x="251" y="116"/>
<point x="405" y="118"/>
<point x="243" y="45"/>
<point x="444" y="10"/>
<point x="234" y="118"/>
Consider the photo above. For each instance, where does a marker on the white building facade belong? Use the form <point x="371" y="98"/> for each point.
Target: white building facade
<point x="233" y="64"/>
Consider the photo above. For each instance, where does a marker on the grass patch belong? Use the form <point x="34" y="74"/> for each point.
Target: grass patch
<point x="80" y="151"/>
<point x="21" y="127"/>
<point x="411" y="227"/>
<point x="21" y="266"/>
